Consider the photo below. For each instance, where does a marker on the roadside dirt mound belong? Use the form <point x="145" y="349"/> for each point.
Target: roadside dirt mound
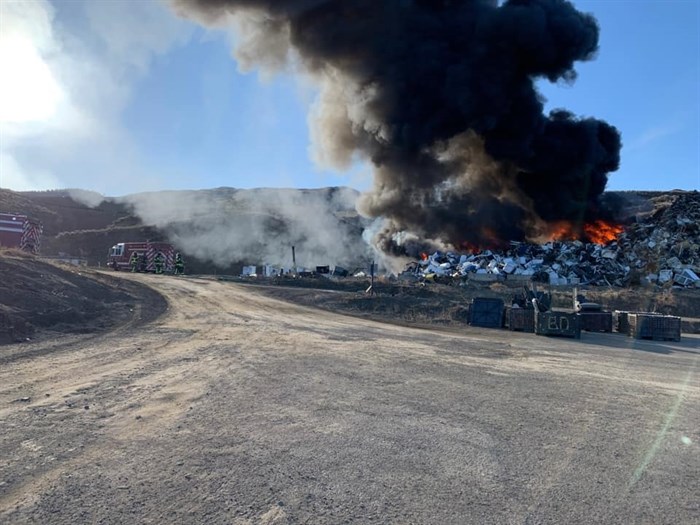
<point x="40" y="299"/>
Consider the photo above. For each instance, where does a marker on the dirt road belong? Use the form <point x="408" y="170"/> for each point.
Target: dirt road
<point x="238" y="408"/>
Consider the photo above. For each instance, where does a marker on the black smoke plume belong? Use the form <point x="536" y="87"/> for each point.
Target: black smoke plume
<point x="439" y="95"/>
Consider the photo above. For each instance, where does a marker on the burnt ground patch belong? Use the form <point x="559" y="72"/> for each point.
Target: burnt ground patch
<point x="41" y="300"/>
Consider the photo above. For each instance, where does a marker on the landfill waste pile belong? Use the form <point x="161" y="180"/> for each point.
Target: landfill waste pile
<point x="659" y="247"/>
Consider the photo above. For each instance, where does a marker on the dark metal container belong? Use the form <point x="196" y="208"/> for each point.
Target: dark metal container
<point x="562" y="324"/>
<point x="656" y="327"/>
<point x="520" y="319"/>
<point x="486" y="312"/>
<point x="596" y="321"/>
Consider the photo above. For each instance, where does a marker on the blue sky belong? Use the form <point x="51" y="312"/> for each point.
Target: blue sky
<point x="120" y="97"/>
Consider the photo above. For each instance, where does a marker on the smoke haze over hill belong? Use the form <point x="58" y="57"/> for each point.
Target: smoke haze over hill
<point x="220" y="228"/>
<point x="258" y="226"/>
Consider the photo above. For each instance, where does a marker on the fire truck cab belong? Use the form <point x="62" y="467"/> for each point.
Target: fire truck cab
<point x="119" y="257"/>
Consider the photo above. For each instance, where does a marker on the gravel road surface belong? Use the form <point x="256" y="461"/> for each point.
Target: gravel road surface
<point x="237" y="408"/>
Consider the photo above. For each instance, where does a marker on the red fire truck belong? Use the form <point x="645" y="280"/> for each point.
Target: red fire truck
<point x="120" y="256"/>
<point x="19" y="231"/>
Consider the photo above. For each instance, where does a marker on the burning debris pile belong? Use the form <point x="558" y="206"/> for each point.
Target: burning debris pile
<point x="662" y="248"/>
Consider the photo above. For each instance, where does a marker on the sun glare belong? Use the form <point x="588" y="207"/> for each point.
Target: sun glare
<point x="28" y="92"/>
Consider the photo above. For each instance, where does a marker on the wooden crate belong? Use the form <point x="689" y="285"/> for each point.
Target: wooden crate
<point x="520" y="319"/>
<point x="596" y="321"/>
<point x="563" y="324"/>
<point x="654" y="326"/>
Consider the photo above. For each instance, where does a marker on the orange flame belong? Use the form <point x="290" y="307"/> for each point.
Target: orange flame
<point x="562" y="231"/>
<point x="423" y="256"/>
<point x="597" y="232"/>
<point x="601" y="232"/>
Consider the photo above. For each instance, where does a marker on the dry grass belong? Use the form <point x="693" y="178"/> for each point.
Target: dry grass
<point x="15" y="253"/>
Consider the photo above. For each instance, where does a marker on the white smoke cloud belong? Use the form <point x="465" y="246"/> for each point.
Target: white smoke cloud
<point x="64" y="88"/>
<point x="12" y="176"/>
<point x="258" y="226"/>
<point x="29" y="92"/>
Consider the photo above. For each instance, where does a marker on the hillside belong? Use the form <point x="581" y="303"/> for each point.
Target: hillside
<point x="217" y="230"/>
